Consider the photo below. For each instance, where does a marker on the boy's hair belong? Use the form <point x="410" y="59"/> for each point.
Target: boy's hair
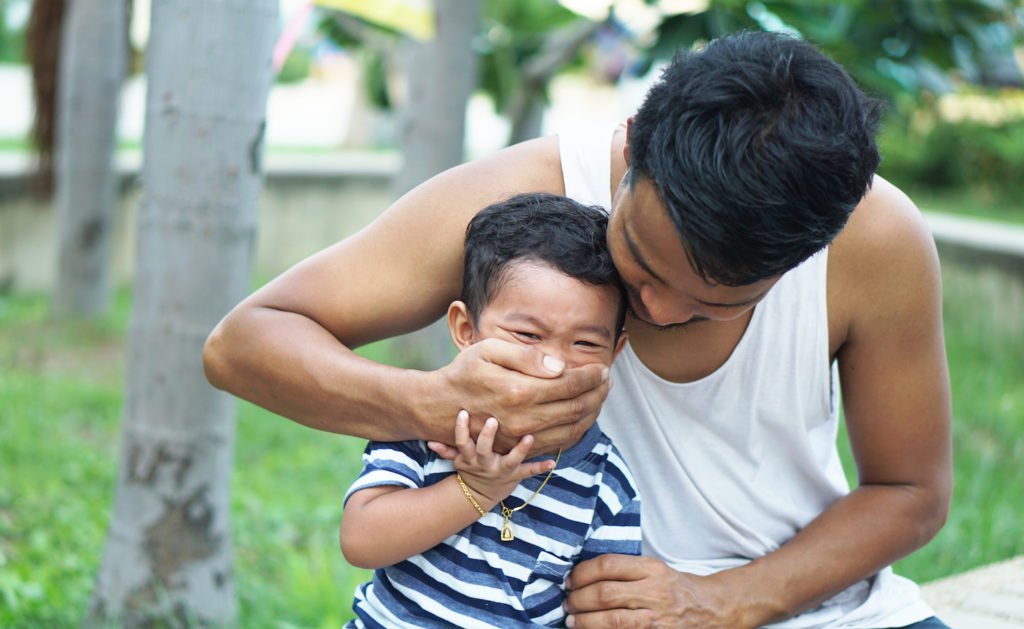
<point x="539" y="227"/>
<point x="760" y="147"/>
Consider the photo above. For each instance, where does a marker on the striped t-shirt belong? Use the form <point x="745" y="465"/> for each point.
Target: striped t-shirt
<point x="589" y="507"/>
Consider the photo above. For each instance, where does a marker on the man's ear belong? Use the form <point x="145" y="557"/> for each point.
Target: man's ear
<point x="460" y="325"/>
<point x="621" y="343"/>
<point x="625" y="147"/>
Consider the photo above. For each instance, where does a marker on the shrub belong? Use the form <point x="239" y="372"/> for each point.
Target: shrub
<point x="946" y="155"/>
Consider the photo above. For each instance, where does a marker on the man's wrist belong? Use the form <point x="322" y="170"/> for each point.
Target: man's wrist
<point x="423" y="402"/>
<point x="757" y="600"/>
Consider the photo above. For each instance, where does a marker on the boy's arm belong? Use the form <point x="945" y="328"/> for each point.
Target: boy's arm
<point x="386" y="524"/>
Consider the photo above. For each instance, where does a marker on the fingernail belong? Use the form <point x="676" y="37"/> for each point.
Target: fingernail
<point x="570" y="621"/>
<point x="553" y="364"/>
<point x="491" y="421"/>
<point x="604" y="374"/>
<point x="463" y="415"/>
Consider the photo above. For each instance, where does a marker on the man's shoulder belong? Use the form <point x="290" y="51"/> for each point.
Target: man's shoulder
<point x="885" y="222"/>
<point x="881" y="256"/>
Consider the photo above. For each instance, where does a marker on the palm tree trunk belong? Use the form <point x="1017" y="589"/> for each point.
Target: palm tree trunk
<point x="168" y="556"/>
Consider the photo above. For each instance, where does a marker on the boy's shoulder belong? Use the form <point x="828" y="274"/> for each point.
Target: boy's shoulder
<point x="604" y="464"/>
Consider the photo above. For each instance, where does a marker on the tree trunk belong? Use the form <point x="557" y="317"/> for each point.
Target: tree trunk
<point x="168" y="556"/>
<point x="92" y="65"/>
<point x="441" y="75"/>
<point x="42" y="50"/>
<point x="526" y="109"/>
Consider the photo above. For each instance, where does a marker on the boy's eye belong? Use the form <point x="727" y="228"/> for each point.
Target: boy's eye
<point x="588" y="344"/>
<point x="529" y="336"/>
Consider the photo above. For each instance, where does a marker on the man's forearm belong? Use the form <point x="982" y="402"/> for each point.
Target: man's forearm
<point x="291" y="366"/>
<point x="857" y="536"/>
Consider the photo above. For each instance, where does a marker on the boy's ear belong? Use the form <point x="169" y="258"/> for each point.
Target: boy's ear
<point x="460" y="325"/>
<point x="621" y="343"/>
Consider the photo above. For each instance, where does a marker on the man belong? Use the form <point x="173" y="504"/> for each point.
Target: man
<point x="757" y="267"/>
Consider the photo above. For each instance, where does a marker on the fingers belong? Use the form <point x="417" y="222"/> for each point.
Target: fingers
<point x="519" y="452"/>
<point x="535" y="468"/>
<point x="586" y="386"/>
<point x="525" y="360"/>
<point x="465" y="445"/>
<point x="609" y="618"/>
<point x="485" y="440"/>
<point x="443" y="450"/>
<point x="610" y="568"/>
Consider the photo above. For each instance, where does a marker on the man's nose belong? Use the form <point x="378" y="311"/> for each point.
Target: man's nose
<point x="663" y="312"/>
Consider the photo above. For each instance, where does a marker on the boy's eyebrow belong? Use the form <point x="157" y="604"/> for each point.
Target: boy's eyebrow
<point x="600" y="330"/>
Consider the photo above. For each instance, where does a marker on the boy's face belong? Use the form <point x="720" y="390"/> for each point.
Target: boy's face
<point x="542" y="307"/>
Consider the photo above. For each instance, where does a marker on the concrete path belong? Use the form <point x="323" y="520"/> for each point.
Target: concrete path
<point x="990" y="597"/>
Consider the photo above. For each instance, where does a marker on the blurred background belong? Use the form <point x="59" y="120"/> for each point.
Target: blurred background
<point x="362" y="101"/>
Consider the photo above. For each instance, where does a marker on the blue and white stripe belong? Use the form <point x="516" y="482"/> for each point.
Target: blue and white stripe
<point x="589" y="507"/>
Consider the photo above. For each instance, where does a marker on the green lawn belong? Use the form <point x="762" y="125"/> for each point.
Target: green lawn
<point x="60" y="403"/>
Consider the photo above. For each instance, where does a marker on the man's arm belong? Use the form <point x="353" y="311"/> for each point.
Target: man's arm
<point x="288" y="346"/>
<point x="886" y="327"/>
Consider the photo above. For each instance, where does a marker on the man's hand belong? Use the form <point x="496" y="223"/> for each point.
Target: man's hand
<point x="531" y="393"/>
<point x="624" y="591"/>
<point x="491" y="475"/>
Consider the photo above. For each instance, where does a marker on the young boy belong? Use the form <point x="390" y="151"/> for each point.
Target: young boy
<point x="464" y="536"/>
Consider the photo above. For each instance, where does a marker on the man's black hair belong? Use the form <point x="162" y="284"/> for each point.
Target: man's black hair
<point x="760" y="147"/>
<point x="538" y="227"/>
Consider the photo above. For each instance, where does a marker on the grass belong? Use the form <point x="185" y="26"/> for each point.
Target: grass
<point x="60" y="391"/>
<point x="976" y="203"/>
<point x="60" y="395"/>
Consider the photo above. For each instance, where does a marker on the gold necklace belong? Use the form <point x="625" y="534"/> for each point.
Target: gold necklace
<point x="506" y="527"/>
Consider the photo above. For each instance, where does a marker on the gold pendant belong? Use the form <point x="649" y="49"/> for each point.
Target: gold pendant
<point x="506" y="526"/>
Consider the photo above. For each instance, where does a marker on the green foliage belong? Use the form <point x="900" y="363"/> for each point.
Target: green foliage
<point x="945" y="156"/>
<point x="512" y="33"/>
<point x="376" y="47"/>
<point x="12" y="40"/>
<point x="296" y="66"/>
<point x="897" y="49"/>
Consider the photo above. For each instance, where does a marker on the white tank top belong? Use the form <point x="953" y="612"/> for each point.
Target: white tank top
<point x="733" y="465"/>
